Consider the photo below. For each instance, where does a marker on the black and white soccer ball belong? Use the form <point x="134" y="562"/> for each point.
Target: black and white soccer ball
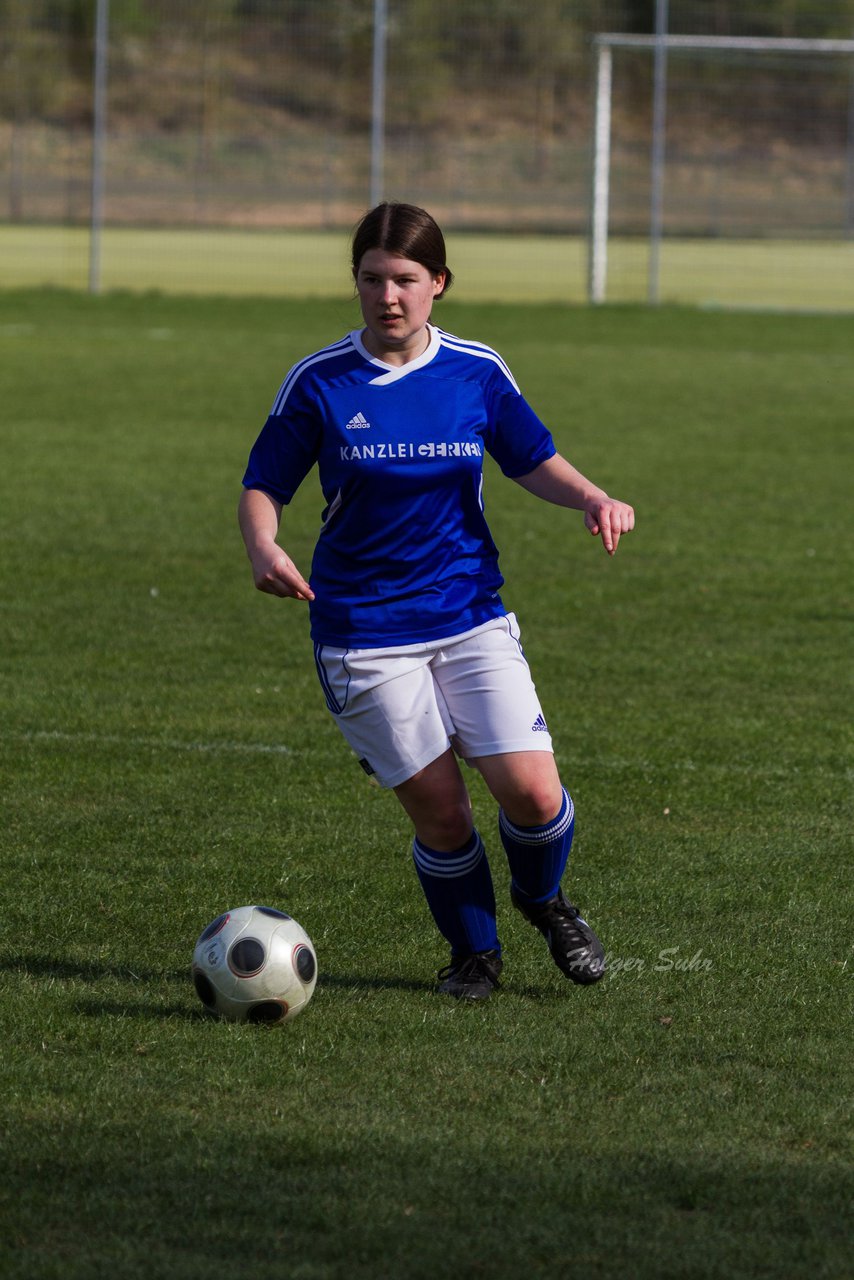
<point x="254" y="964"/>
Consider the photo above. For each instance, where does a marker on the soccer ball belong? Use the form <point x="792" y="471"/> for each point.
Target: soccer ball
<point x="254" y="964"/>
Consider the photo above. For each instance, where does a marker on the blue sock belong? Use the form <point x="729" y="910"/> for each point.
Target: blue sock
<point x="538" y="855"/>
<point x="459" y="893"/>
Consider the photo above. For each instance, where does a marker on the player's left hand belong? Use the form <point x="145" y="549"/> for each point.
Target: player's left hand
<point x="610" y="519"/>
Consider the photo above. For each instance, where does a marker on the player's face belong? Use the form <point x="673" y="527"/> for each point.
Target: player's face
<point x="397" y="297"/>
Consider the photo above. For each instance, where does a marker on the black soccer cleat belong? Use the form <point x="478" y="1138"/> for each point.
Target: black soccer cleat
<point x="472" y="977"/>
<point x="575" y="949"/>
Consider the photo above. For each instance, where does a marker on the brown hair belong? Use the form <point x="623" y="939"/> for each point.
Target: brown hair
<point x="406" y="230"/>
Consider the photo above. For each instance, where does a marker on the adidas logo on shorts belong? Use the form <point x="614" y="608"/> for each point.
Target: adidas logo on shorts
<point x="539" y="725"/>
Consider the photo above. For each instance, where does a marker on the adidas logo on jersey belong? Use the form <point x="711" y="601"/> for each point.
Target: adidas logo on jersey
<point x="358" y="423"/>
<point x="539" y="725"/>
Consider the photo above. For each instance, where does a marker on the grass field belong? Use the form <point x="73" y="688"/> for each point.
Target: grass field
<point x="165" y="753"/>
<point x="789" y="275"/>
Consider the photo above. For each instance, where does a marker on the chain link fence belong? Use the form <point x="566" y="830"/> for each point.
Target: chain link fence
<point x="224" y="117"/>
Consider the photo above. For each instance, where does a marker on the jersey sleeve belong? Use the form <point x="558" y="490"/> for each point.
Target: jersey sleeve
<point x="287" y="446"/>
<point x="516" y="438"/>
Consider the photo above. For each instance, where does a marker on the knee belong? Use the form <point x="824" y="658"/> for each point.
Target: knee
<point x="526" y="784"/>
<point x="438" y="804"/>
<point x="447" y="828"/>
<point x="535" y="804"/>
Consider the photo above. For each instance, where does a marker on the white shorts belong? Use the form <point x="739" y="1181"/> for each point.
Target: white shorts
<point x="403" y="707"/>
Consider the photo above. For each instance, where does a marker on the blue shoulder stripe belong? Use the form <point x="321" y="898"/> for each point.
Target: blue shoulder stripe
<point x="327" y="353"/>
<point x="466" y="347"/>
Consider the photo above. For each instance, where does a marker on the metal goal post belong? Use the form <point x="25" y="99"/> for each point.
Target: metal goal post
<point x="661" y="45"/>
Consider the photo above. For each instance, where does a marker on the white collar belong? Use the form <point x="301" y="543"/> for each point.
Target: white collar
<point x="394" y="371"/>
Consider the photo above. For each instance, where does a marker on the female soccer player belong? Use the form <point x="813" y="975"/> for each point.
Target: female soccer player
<point x="418" y="659"/>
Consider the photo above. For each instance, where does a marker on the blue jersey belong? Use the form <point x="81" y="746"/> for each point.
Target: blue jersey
<point x="404" y="553"/>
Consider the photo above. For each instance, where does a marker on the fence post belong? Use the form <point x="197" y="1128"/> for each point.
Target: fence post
<point x="378" y="101"/>
<point x="598" y="266"/>
<point x="99" y="137"/>
<point x="849" y="158"/>
<point x="659" y="116"/>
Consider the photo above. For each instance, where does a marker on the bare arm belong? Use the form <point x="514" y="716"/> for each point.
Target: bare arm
<point x="274" y="572"/>
<point x="557" y="481"/>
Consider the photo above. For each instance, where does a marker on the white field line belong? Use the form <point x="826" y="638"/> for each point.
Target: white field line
<point x="163" y="744"/>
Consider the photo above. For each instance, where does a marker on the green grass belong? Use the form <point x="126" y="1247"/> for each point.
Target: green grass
<point x="165" y="752"/>
<point x="789" y="275"/>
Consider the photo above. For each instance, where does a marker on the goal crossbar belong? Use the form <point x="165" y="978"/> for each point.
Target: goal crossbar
<point x="725" y="44"/>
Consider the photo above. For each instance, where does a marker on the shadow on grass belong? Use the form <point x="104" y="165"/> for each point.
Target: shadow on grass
<point x="400" y="1204"/>
<point x="40" y="966"/>
<point x="142" y="1009"/>
<point x="376" y="982"/>
<point x="94" y="971"/>
<point x="379" y="982"/>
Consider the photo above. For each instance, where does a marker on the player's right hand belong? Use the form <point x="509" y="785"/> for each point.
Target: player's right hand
<point x="277" y="575"/>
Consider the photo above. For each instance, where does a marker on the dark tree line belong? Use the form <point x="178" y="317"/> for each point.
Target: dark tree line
<point x="314" y="55"/>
